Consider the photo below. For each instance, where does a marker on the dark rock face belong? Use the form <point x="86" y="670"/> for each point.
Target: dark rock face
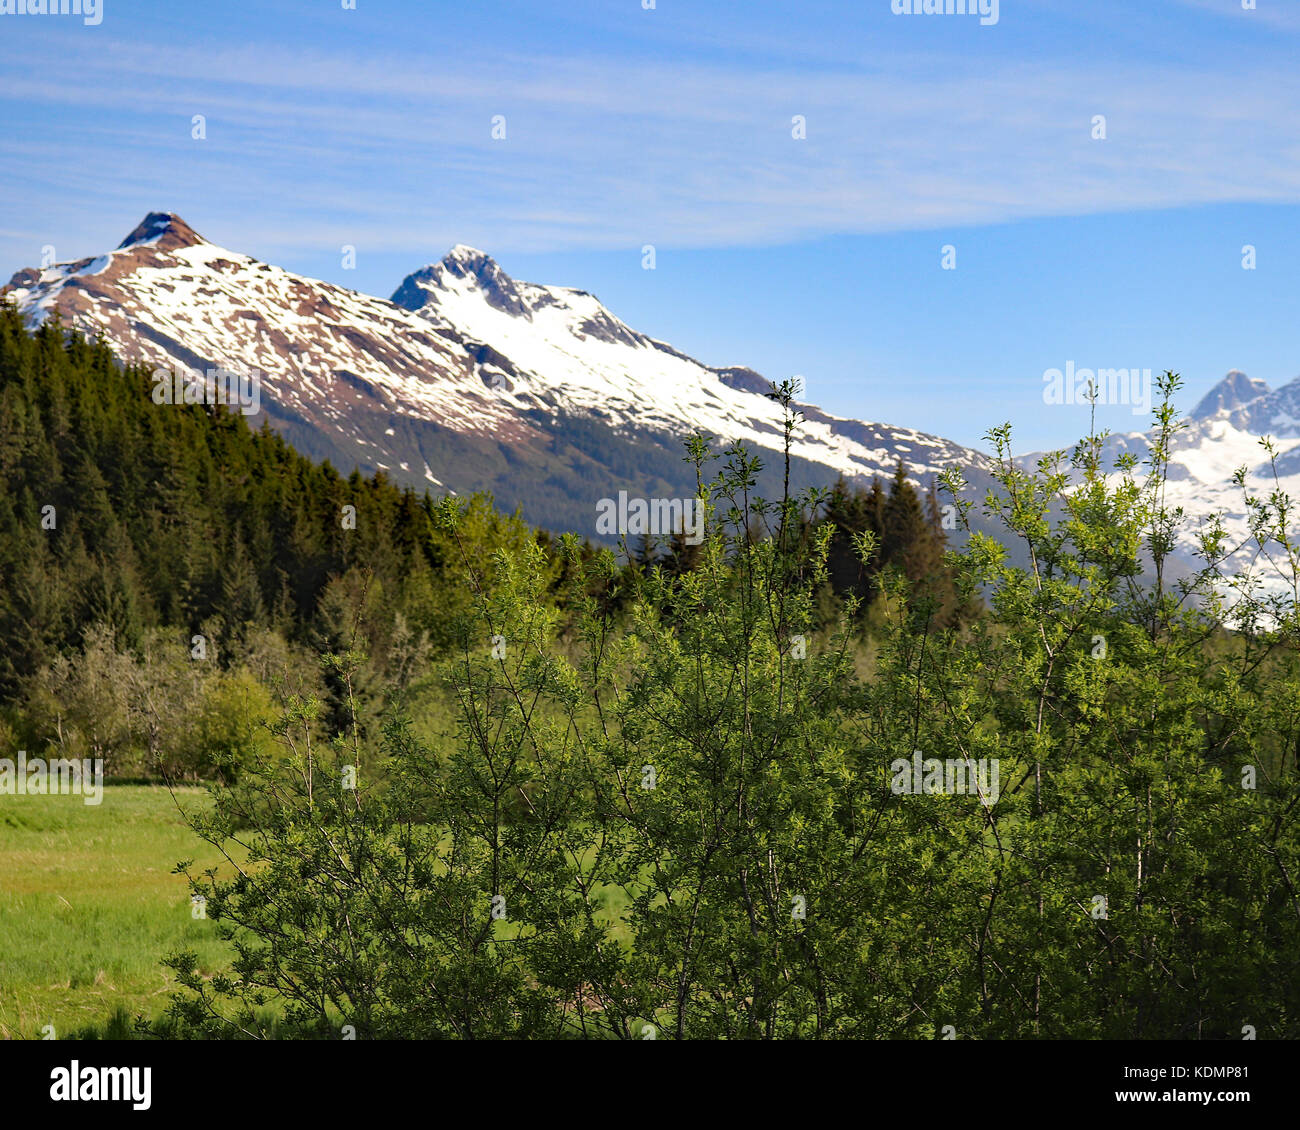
<point x="1235" y="390"/>
<point x="746" y="380"/>
<point x="605" y="328"/>
<point x="411" y="295"/>
<point x="28" y="276"/>
<point x="498" y="289"/>
<point x="170" y="231"/>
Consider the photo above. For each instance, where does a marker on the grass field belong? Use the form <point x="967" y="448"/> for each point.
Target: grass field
<point x="88" y="905"/>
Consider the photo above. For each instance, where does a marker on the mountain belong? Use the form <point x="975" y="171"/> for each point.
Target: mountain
<point x="1231" y="393"/>
<point x="467" y="379"/>
<point x="1219" y="435"/>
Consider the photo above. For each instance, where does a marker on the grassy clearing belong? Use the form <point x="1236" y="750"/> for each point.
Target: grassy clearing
<point x="88" y="905"/>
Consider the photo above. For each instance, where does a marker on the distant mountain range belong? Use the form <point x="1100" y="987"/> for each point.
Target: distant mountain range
<point x="465" y="379"/>
<point x="1223" y="433"/>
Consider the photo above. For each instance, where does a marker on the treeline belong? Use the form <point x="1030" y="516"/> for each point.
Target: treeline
<point x="908" y="528"/>
<point x="139" y="543"/>
<point x="910" y="537"/>
<point x="152" y="557"/>
<point x="121" y="512"/>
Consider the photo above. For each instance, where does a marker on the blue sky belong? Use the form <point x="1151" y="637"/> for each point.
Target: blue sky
<point x="818" y="256"/>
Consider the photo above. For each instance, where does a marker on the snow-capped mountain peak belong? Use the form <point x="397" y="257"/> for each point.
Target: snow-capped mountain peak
<point x="471" y="257"/>
<point x="466" y="379"/>
<point x="163" y="230"/>
<point x="464" y="271"/>
<point x="1219" y="436"/>
<point x="1235" y="390"/>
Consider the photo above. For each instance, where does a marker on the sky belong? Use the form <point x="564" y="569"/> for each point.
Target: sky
<point x="804" y="172"/>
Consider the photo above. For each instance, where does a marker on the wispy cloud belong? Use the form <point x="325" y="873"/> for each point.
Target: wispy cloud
<point x="306" y="148"/>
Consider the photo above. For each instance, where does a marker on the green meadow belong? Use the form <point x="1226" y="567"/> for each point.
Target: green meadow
<point x="88" y="905"/>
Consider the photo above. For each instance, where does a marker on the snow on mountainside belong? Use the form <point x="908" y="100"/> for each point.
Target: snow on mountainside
<point x="545" y="343"/>
<point x="1221" y="434"/>
<point x="467" y="379"/>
